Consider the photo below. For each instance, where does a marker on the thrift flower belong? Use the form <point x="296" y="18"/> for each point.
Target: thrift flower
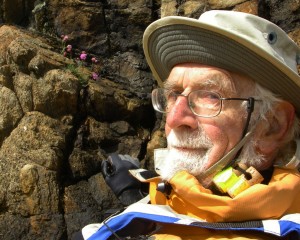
<point x="94" y="60"/>
<point x="65" y="38"/>
<point x="63" y="42"/>
<point x="95" y="76"/>
<point x="69" y="48"/>
<point x="83" y="56"/>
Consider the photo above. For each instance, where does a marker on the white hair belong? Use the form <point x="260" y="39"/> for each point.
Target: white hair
<point x="269" y="99"/>
<point x="262" y="109"/>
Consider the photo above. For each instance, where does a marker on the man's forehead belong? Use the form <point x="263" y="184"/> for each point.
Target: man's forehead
<point x="199" y="76"/>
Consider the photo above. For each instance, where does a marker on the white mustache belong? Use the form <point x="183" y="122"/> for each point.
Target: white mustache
<point x="195" y="139"/>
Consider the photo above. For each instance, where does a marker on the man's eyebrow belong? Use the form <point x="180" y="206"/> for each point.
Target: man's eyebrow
<point x="170" y="85"/>
<point x="209" y="82"/>
<point x="212" y="82"/>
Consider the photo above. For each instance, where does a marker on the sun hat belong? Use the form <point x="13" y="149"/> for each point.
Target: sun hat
<point x="234" y="41"/>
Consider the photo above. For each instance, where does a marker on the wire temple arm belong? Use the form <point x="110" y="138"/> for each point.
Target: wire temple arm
<point x="250" y="109"/>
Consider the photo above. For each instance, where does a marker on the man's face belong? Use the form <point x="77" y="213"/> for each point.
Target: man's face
<point x="196" y="143"/>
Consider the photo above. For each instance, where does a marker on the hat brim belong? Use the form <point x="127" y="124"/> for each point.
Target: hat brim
<point x="175" y="40"/>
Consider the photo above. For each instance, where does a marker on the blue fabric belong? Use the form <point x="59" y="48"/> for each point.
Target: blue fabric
<point x="163" y="214"/>
<point x="124" y="220"/>
<point x="287" y="227"/>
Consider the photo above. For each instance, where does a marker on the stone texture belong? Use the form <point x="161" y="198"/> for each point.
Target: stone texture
<point x="56" y="94"/>
<point x="222" y="4"/>
<point x="248" y="7"/>
<point x="10" y="111"/>
<point x="30" y="161"/>
<point x="23" y="87"/>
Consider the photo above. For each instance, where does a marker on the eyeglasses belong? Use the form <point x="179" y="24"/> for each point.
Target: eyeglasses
<point x="202" y="103"/>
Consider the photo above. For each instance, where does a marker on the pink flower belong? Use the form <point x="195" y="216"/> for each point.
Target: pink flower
<point x="64" y="38"/>
<point x="83" y="55"/>
<point x="69" y="48"/>
<point x="94" y="60"/>
<point x="95" y="76"/>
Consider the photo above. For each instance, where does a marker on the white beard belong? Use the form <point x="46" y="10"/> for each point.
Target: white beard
<point x="195" y="161"/>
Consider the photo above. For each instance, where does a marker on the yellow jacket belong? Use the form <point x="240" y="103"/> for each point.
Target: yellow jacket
<point x="192" y="212"/>
<point x="280" y="197"/>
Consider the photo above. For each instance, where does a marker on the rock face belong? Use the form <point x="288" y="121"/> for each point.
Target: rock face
<point x="57" y="123"/>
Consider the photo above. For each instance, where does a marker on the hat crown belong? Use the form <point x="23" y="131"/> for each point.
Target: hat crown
<point x="258" y="31"/>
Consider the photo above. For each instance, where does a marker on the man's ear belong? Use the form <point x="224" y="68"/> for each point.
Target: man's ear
<point x="274" y="135"/>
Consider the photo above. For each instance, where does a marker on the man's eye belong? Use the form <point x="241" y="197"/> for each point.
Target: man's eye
<point x="205" y="99"/>
<point x="171" y="96"/>
<point x="209" y="95"/>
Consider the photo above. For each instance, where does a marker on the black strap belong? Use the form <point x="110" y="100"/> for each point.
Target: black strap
<point x="149" y="174"/>
<point x="226" y="225"/>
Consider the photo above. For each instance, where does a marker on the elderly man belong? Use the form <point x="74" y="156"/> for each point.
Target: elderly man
<point x="230" y="90"/>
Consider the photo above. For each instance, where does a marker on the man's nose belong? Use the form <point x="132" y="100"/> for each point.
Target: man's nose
<point x="181" y="115"/>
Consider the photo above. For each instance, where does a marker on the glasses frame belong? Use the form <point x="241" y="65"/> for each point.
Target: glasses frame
<point x="155" y="104"/>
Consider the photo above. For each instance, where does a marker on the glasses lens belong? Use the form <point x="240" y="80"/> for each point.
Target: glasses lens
<point x="202" y="103"/>
<point x="205" y="103"/>
<point x="159" y="100"/>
